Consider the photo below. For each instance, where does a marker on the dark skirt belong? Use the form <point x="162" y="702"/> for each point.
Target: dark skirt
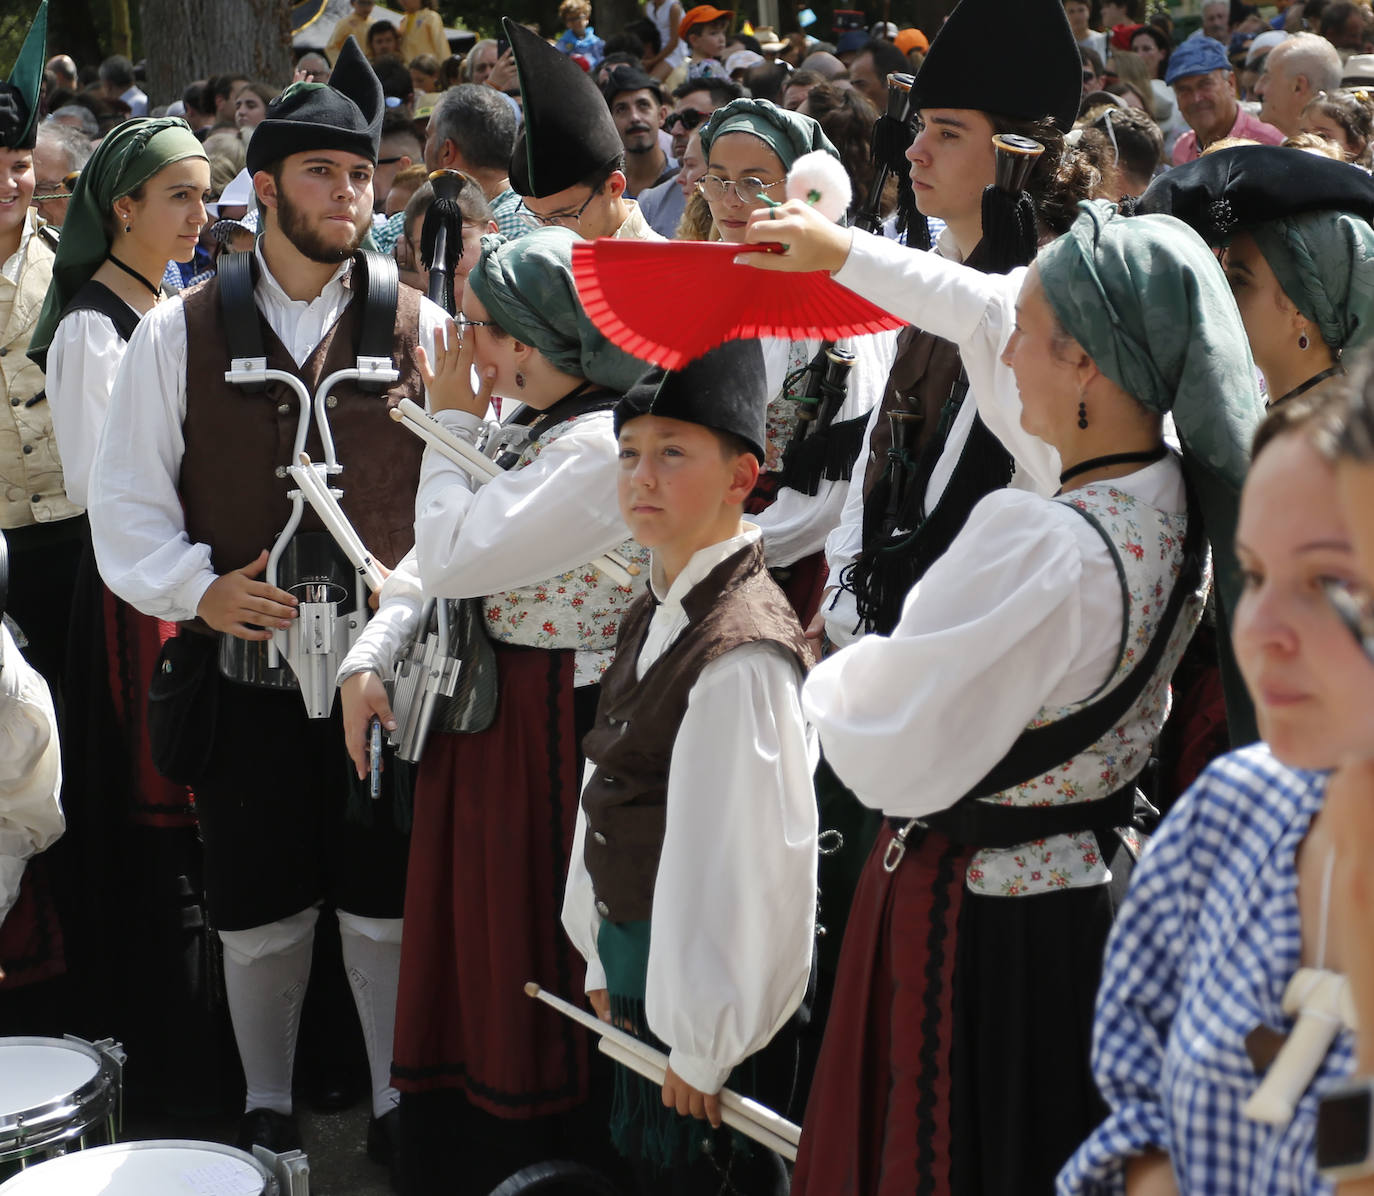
<point x="956" y="1056"/>
<point x="494" y="820"/>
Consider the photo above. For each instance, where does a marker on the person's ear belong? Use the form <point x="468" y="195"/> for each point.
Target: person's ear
<point x="615" y="185"/>
<point x="744" y="476"/>
<point x="662" y="114"/>
<point x="266" y="188"/>
<point x="493" y="227"/>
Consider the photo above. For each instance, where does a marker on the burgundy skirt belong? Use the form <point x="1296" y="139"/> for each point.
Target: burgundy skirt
<point x="31" y="947"/>
<point x="494" y="820"/>
<point x="878" y="1116"/>
<point x="956" y="1054"/>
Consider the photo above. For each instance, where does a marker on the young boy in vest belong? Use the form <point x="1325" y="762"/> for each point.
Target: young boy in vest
<point x="692" y="886"/>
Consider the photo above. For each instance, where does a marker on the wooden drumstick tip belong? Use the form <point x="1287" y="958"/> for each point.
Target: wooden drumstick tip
<point x="304" y="458"/>
<point x="632" y="569"/>
<point x="532" y="989"/>
<point x="397" y="414"/>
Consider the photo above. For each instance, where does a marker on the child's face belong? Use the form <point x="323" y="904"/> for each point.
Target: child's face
<point x="707" y="41"/>
<point x="577" y="22"/>
<point x="677" y="487"/>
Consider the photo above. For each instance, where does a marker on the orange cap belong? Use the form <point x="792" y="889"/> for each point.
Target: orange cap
<point x="911" y="39"/>
<point x="702" y="14"/>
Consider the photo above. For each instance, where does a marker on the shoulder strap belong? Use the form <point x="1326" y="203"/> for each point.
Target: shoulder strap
<point x="236" y="274"/>
<point x="97" y="297"/>
<point x="1043" y="749"/>
<point x="586" y="398"/>
<point x="381" y="291"/>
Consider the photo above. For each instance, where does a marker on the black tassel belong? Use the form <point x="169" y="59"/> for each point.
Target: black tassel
<point x="885" y="571"/>
<point x="1009" y="232"/>
<point x="827" y="455"/>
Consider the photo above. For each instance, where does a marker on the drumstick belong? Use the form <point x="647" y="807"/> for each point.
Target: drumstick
<point x="736" y="1120"/>
<point x="333" y="517"/>
<point x="417" y="420"/>
<point x="759" y="1115"/>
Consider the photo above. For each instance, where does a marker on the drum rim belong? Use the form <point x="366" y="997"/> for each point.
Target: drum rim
<point x="63" y="1118"/>
<point x="270" y="1184"/>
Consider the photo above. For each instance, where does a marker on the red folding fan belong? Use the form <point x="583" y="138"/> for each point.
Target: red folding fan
<point x="628" y="288"/>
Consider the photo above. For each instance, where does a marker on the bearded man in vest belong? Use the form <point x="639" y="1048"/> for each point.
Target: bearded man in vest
<point x="188" y="493"/>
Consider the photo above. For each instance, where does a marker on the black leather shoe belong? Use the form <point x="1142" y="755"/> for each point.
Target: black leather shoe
<point x="277" y="1132"/>
<point x="384" y="1143"/>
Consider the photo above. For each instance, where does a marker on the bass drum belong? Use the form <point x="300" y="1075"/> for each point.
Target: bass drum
<point x="165" y="1168"/>
<point x="554" y="1178"/>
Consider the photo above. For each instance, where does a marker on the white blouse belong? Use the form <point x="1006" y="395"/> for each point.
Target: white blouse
<point x="730" y="952"/>
<point x="977" y="312"/>
<point x="82" y="363"/>
<point x="1024" y="611"/>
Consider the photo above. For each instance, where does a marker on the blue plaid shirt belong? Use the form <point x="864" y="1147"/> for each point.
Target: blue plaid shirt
<point x="1202" y="950"/>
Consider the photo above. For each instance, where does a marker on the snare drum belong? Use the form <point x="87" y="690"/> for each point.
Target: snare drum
<point x="56" y="1094"/>
<point x="167" y="1168"/>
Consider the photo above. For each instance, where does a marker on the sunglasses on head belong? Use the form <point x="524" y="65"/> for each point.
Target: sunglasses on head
<point x="689" y="119"/>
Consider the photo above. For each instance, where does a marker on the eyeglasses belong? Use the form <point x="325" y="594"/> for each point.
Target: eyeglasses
<point x="67" y="183"/>
<point x="746" y="190"/>
<point x="565" y="219"/>
<point x="689" y="118"/>
<point x="1355" y="609"/>
<point x="464" y="323"/>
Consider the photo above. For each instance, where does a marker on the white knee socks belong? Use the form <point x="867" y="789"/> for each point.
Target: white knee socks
<point x="372" y="959"/>
<point x="266" y="970"/>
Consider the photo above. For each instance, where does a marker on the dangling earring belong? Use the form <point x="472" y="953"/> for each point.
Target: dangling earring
<point x="1082" y="414"/>
<point x="519" y="379"/>
<point x="1303" y="342"/>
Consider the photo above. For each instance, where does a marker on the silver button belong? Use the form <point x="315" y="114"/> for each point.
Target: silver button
<point x="332" y="401"/>
<point x="284" y="409"/>
<point x="603" y="909"/>
<point x="599" y="838"/>
<point x="281" y="471"/>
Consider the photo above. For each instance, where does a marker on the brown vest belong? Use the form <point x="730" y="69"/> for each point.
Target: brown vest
<point x="922" y="377"/>
<point x="637" y="721"/>
<point x="233" y="485"/>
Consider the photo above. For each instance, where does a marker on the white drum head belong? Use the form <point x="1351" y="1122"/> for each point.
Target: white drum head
<point x="146" y="1169"/>
<point x="34" y="1074"/>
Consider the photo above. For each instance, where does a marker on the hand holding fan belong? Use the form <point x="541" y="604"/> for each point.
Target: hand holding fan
<point x="627" y="287"/>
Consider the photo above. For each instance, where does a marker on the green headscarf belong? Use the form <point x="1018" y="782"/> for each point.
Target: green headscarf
<point x="788" y="134"/>
<point x="527" y="287"/>
<point x="1323" y="262"/>
<point x="1147" y="301"/>
<point x="127" y="157"/>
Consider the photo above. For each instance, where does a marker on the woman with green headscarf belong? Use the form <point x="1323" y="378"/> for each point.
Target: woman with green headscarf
<point x="1296" y="242"/>
<point x="1003" y="725"/>
<point x="749" y="146"/>
<point x="495" y="809"/>
<point x="137" y="204"/>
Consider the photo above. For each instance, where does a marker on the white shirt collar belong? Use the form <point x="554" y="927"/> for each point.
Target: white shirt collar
<point x="947" y="247"/>
<point x="702" y="562"/>
<point x="274" y="288"/>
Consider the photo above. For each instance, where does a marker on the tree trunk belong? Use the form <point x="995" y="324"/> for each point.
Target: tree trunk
<point x="121" y="35"/>
<point x="187" y="39"/>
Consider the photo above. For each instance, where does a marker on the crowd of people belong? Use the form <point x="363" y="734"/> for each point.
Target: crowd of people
<point x="955" y="737"/>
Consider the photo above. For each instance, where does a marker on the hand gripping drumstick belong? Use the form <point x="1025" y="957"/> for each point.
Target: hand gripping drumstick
<point x="416" y="419"/>
<point x="750" y="1118"/>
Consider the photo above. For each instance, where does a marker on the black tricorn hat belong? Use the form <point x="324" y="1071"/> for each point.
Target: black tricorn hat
<point x="1041" y="76"/>
<point x="343" y="114"/>
<point x="724" y="389"/>
<point x="1230" y="190"/>
<point x="19" y="93"/>
<point x="568" y="132"/>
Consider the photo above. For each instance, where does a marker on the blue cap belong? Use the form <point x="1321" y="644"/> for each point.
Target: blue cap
<point x="1197" y="56"/>
<point x="854" y="39"/>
